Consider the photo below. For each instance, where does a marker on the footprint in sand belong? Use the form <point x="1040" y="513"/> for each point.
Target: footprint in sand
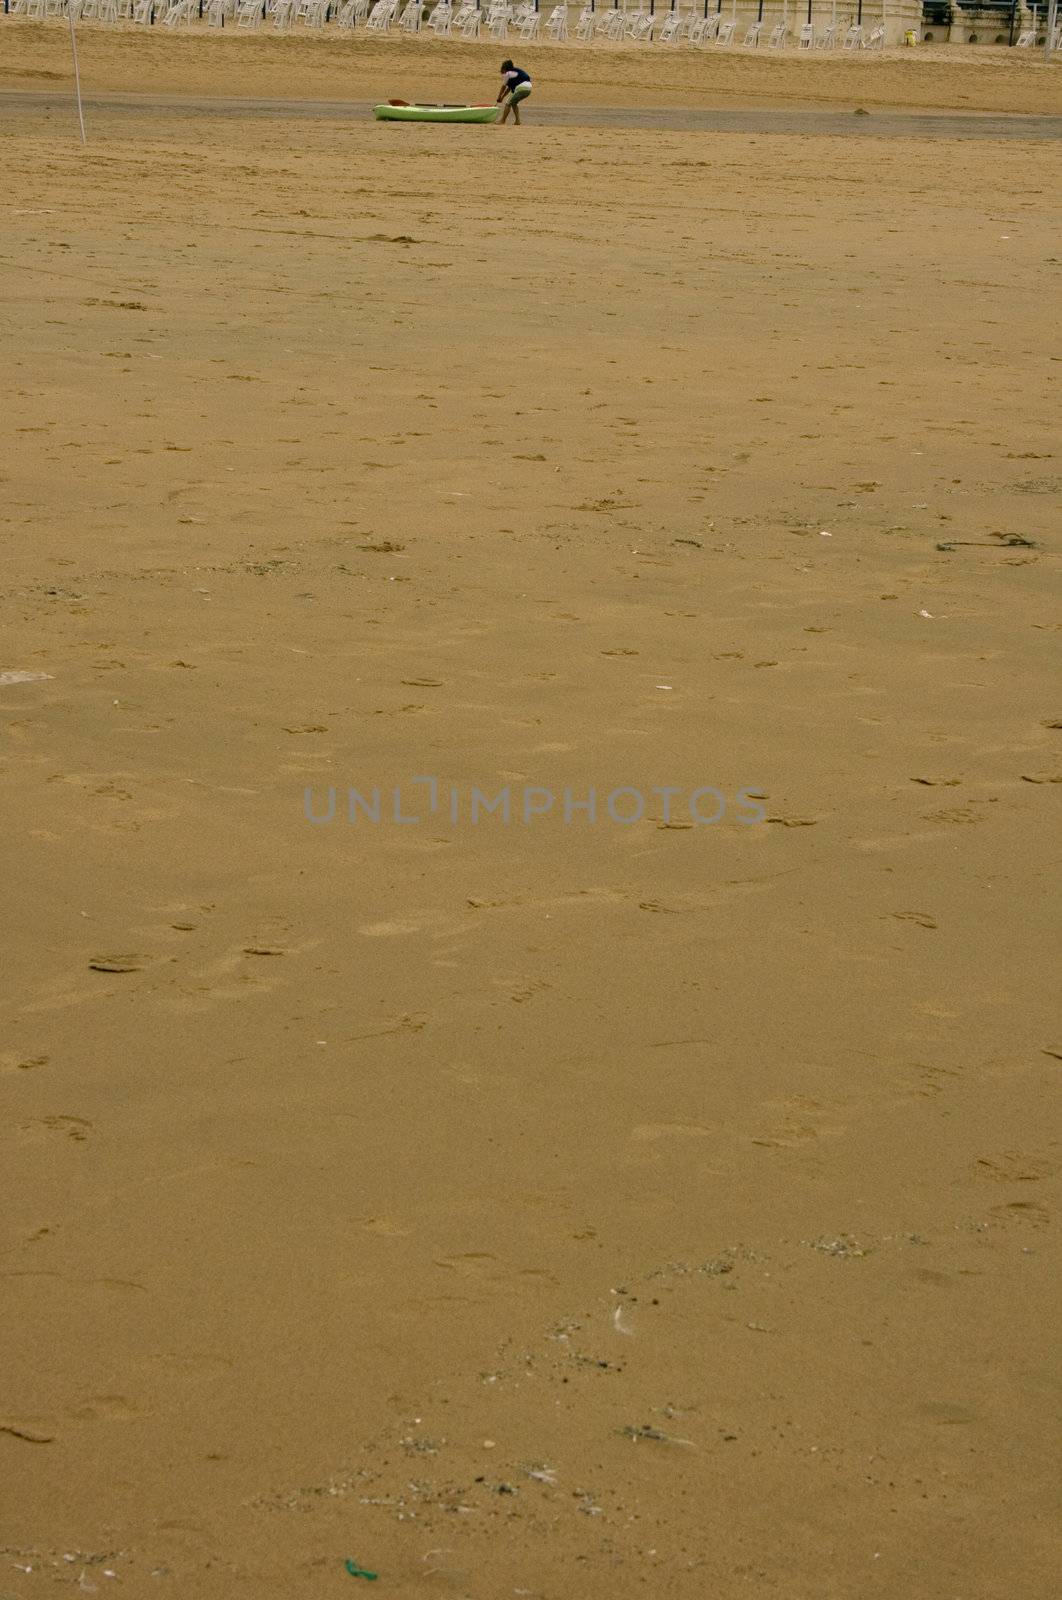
<point x="104" y="1408"/>
<point x="21" y="1061"/>
<point x="651" y="1131"/>
<point x="474" y="1264"/>
<point x="28" y="1430"/>
<point x="1027" y="1212"/>
<point x="43" y="1128"/>
<point x="413" y="922"/>
<point x="386" y="1227"/>
<point x="800" y="1121"/>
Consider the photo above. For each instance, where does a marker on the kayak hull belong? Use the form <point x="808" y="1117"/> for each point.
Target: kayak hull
<point x="436" y="113"/>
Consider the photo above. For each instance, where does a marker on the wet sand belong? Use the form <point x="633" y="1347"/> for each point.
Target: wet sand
<point x="838" y="124"/>
<point x="553" y="1208"/>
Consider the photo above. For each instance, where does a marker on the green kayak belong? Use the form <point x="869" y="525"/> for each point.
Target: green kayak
<point x="407" y="113"/>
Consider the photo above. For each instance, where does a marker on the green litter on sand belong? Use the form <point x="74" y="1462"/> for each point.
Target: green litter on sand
<point x="360" y="1572"/>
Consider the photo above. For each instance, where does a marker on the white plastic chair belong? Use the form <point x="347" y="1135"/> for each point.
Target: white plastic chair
<point x="752" y="37"/>
<point x="827" y="39"/>
<point x="527" y="21"/>
<point x="876" y="40"/>
<point x="779" y="34"/>
<point x="441" y="20"/>
<point x="186" y="11"/>
<point x="381" y="16"/>
<point x="725" y="33"/>
<point x="642" y="26"/>
<point x="853" y="39"/>
<point x="806" y="37"/>
<point x="409" y="22"/>
<point x="467" y="22"/>
<point x="499" y="16"/>
<point x="671" y="32"/>
<point x="614" y="26"/>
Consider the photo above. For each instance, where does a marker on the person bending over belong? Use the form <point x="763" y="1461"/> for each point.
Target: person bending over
<point x="516" y="86"/>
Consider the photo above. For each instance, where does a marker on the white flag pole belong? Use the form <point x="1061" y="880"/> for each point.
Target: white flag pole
<point x="77" y="75"/>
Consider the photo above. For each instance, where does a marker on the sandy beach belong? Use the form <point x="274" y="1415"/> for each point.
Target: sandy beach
<point x="566" y="1207"/>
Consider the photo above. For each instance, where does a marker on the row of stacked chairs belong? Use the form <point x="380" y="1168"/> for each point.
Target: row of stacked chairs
<point x="467" y="19"/>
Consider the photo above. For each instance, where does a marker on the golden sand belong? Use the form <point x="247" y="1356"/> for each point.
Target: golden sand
<point x="561" y="1210"/>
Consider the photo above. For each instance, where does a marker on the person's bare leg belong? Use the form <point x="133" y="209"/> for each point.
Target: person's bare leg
<point x="516" y="115"/>
<point x="505" y="113"/>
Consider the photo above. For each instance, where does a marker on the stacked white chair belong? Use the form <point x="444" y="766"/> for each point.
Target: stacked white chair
<point x="499" y="17"/>
<point x="186" y="11"/>
<point x="467" y="20"/>
<point x="669" y="24"/>
<point x="381" y="16"/>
